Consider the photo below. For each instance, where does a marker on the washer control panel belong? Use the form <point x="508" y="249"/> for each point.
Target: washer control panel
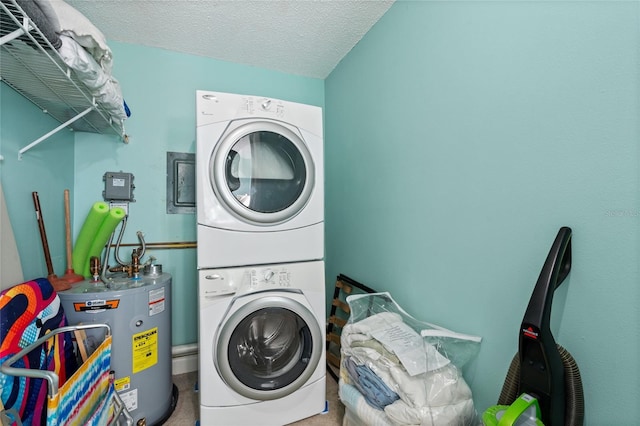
<point x="270" y="277"/>
<point x="223" y="282"/>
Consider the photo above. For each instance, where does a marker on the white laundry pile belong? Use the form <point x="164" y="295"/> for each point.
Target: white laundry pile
<point x="430" y="389"/>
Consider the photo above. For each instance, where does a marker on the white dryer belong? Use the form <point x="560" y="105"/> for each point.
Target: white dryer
<point x="259" y="181"/>
<point x="262" y="344"/>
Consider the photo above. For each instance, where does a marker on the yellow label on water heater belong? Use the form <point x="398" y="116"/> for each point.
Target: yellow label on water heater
<point x="122" y="384"/>
<point x="145" y="350"/>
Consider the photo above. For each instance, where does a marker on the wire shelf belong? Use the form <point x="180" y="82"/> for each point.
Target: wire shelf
<point x="32" y="67"/>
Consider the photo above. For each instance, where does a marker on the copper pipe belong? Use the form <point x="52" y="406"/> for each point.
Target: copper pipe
<point x="135" y="264"/>
<point x="94" y="267"/>
<point x="165" y="245"/>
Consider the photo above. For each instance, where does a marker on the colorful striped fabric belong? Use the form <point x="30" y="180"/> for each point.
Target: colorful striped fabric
<point x="28" y="311"/>
<point x="85" y="399"/>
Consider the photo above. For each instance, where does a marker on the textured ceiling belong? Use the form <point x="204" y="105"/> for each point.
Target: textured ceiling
<point x="302" y="37"/>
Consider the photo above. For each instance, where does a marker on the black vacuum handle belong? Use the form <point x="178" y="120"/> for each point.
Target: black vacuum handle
<point x="556" y="268"/>
<point x="541" y="367"/>
<point x="564" y="265"/>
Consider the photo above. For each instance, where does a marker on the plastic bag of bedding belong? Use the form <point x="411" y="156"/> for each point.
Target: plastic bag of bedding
<point x="406" y="368"/>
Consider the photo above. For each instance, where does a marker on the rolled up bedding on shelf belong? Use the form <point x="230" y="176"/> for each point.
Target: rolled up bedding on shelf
<point x="74" y="24"/>
<point x="107" y="227"/>
<point x="92" y="223"/>
<point x="49" y="12"/>
<point x="47" y="26"/>
<point x="102" y="85"/>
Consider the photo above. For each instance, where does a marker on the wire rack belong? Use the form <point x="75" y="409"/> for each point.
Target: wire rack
<point x="32" y="66"/>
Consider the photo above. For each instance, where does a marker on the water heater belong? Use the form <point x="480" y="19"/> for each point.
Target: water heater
<point x="139" y="314"/>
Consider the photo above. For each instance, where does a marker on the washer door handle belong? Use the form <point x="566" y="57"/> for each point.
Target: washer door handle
<point x="214" y="277"/>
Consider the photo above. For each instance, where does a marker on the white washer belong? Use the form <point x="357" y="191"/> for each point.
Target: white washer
<point x="262" y="344"/>
<point x="259" y="181"/>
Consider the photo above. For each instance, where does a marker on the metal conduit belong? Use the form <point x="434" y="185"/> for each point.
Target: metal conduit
<point x="165" y="245"/>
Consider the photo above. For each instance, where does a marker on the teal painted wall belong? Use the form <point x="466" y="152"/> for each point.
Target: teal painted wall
<point x="47" y="169"/>
<point x="460" y="136"/>
<point x="162" y="101"/>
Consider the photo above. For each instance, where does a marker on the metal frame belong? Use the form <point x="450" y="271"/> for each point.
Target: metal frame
<point x="53" y="381"/>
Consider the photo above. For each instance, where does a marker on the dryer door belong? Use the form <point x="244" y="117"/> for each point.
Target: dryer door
<point x="262" y="172"/>
<point x="269" y="347"/>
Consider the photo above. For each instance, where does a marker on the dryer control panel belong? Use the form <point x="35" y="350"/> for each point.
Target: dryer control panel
<point x="225" y="106"/>
<point x="265" y="107"/>
<point x="216" y="107"/>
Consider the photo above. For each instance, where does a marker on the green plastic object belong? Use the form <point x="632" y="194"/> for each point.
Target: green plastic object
<point x="92" y="223"/>
<point x="524" y="411"/>
<point x="107" y="227"/>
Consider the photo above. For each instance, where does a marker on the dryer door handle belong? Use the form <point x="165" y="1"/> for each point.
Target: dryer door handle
<point x="213" y="277"/>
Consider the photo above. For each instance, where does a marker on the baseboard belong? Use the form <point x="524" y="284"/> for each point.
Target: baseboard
<point x="184" y="359"/>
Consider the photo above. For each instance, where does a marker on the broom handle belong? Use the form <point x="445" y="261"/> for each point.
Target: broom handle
<point x="43" y="233"/>
<point x="67" y="225"/>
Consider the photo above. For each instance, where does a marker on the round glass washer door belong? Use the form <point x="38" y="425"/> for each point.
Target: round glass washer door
<point x="268" y="348"/>
<point x="262" y="173"/>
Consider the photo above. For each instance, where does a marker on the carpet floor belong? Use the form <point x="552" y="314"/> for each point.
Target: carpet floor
<point x="186" y="411"/>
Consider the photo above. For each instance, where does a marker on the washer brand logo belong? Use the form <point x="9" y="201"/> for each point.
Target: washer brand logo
<point x="94" y="305"/>
<point x="530" y="332"/>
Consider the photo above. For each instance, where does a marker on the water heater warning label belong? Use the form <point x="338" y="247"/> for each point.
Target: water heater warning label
<point x="156" y="301"/>
<point x="145" y="350"/>
<point x="122" y="384"/>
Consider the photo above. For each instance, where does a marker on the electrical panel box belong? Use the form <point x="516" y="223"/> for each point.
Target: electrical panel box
<point x="118" y="186"/>
<point x="181" y="183"/>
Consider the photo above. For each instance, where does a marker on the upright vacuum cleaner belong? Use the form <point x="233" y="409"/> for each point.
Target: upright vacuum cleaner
<point x="543" y="384"/>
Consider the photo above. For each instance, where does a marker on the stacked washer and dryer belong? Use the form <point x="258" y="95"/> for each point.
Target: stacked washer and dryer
<point x="261" y="287"/>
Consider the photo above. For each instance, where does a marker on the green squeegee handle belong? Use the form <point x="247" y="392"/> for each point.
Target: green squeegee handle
<point x="541" y="367"/>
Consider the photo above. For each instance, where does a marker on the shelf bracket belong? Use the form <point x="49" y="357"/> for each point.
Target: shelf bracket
<point x="54" y="131"/>
<point x="26" y="27"/>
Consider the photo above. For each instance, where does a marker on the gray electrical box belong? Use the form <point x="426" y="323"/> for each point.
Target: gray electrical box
<point x="118" y="186"/>
<point x="181" y="183"/>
